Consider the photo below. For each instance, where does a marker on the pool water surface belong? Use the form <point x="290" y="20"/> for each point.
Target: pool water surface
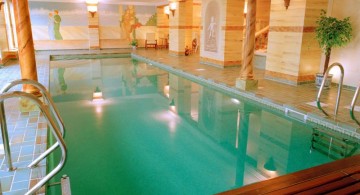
<point x="157" y="133"/>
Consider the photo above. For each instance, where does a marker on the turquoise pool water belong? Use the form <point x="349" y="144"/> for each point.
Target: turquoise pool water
<point x="157" y="133"/>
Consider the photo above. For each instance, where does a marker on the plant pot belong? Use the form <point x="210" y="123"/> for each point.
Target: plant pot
<point x="134" y="47"/>
<point x="319" y="79"/>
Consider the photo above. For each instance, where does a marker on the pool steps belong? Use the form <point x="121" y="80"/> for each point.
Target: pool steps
<point x="318" y="103"/>
<point x="353" y="103"/>
<point x="57" y="130"/>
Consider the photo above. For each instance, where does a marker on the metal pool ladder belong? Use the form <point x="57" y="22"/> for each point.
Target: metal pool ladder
<point x="57" y="131"/>
<point x="339" y="88"/>
<point x="352" y="106"/>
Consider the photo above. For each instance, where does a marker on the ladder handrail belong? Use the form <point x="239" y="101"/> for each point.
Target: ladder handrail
<point x="43" y="91"/>
<point x="53" y="108"/>
<point x="352" y="106"/>
<point x="54" y="129"/>
<point x="5" y="137"/>
<point x="339" y="88"/>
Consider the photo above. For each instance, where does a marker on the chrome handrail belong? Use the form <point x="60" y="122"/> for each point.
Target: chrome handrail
<point x="352" y="106"/>
<point x="53" y="108"/>
<point x="5" y="137"/>
<point x="55" y="130"/>
<point x="339" y="88"/>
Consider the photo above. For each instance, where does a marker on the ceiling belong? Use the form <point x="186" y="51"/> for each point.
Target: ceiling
<point x="129" y="2"/>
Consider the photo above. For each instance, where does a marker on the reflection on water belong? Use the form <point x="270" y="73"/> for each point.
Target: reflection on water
<point x="245" y="143"/>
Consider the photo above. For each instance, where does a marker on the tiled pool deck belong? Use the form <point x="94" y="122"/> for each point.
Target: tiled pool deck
<point x="27" y="135"/>
<point x="27" y="131"/>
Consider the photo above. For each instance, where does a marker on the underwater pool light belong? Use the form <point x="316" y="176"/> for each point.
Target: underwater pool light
<point x="97" y="95"/>
<point x="235" y="101"/>
<point x="172" y="105"/>
<point x="270" y="164"/>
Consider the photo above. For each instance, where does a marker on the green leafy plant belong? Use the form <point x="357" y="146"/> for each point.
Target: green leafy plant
<point x="134" y="42"/>
<point x="332" y="32"/>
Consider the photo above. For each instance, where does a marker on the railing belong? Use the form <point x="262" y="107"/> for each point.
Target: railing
<point x="339" y="88"/>
<point x="56" y="131"/>
<point x="352" y="106"/>
<point x="52" y="107"/>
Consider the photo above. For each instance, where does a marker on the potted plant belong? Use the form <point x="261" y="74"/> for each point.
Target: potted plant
<point x="134" y="43"/>
<point x="331" y="32"/>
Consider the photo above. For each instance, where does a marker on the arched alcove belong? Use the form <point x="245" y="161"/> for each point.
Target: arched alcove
<point x="212" y="27"/>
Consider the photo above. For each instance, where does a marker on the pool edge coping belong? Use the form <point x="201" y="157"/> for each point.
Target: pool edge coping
<point x="342" y="128"/>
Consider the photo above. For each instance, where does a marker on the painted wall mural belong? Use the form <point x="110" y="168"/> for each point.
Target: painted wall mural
<point x="58" y="25"/>
<point x="126" y="22"/>
<point x="56" y="21"/>
<point x="212" y="17"/>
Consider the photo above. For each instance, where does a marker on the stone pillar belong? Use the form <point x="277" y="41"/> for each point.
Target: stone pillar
<point x="180" y="28"/>
<point x="94" y="36"/>
<point x="293" y="54"/>
<point x="25" y="44"/>
<point x="246" y="80"/>
<point x="222" y="32"/>
<point x="162" y="26"/>
<point x="3" y="37"/>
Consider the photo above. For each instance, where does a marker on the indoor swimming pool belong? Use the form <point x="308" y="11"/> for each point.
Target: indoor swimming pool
<point x="132" y="128"/>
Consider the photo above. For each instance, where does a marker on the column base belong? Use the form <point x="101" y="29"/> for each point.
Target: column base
<point x="246" y="84"/>
<point x="26" y="105"/>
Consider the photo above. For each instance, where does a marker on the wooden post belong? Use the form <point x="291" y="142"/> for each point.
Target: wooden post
<point x="25" y="44"/>
<point x="246" y="80"/>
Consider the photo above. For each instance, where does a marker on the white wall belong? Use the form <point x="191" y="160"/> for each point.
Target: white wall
<point x="348" y="56"/>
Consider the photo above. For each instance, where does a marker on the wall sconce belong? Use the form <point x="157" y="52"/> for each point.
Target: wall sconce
<point x="1" y="4"/>
<point x="167" y="10"/>
<point x="286" y="4"/>
<point x="172" y="6"/>
<point x="92" y="7"/>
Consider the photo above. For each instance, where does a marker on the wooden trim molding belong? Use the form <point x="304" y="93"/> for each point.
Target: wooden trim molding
<point x="93" y="26"/>
<point x="162" y="26"/>
<point x="291" y="78"/>
<point x="232" y="28"/>
<point x="220" y="63"/>
<point x="183" y="27"/>
<point x="298" y="29"/>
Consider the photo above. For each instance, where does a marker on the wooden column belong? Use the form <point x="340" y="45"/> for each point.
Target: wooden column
<point x="25" y="44"/>
<point x="246" y="80"/>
